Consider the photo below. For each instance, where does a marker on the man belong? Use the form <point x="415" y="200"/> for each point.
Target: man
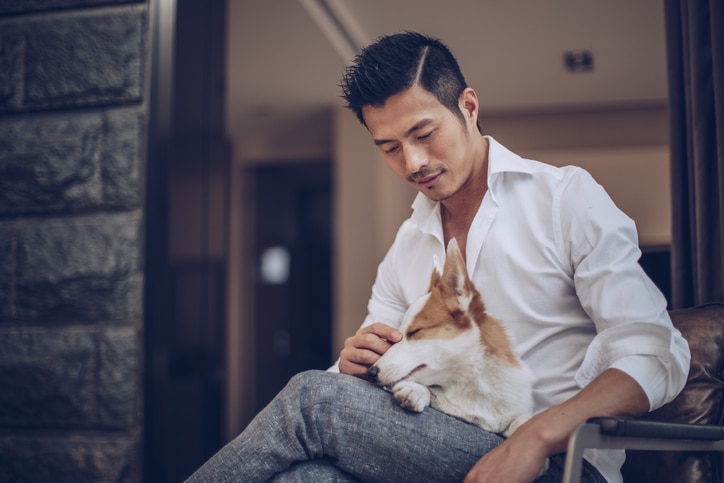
<point x="553" y="258"/>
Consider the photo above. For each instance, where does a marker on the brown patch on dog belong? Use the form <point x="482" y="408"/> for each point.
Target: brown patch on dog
<point x="493" y="334"/>
<point x="435" y="321"/>
<point x="455" y="283"/>
<point x="443" y="317"/>
<point x="434" y="280"/>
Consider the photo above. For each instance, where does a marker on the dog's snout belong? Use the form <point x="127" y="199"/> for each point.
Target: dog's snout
<point x="372" y="373"/>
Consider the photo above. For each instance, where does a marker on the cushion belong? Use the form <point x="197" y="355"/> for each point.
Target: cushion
<point x="700" y="402"/>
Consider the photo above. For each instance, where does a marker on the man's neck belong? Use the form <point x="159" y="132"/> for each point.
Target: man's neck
<point x="456" y="221"/>
<point x="458" y="211"/>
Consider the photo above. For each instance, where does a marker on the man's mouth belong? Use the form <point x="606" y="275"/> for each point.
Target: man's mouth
<point x="426" y="178"/>
<point x="429" y="181"/>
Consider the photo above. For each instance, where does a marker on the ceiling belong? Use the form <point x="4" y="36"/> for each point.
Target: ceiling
<point x="286" y="57"/>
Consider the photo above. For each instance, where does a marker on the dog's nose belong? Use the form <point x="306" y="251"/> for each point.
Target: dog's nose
<point x="372" y="373"/>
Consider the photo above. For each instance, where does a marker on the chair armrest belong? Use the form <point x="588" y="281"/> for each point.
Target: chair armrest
<point x="656" y="429"/>
<point x="614" y="433"/>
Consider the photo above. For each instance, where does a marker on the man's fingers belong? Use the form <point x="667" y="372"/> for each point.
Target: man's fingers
<point x="371" y="342"/>
<point x="352" y="369"/>
<point x="383" y="331"/>
<point x="365" y="347"/>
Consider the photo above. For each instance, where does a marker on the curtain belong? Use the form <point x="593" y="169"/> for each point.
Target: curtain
<point x="695" y="54"/>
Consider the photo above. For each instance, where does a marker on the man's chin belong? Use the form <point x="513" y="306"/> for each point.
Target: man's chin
<point x="435" y="194"/>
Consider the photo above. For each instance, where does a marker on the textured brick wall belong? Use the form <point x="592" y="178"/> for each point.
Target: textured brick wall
<point x="73" y="114"/>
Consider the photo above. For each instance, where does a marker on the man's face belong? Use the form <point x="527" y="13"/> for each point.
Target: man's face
<point x="423" y="142"/>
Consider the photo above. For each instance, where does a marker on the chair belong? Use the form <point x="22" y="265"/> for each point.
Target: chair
<point x="683" y="440"/>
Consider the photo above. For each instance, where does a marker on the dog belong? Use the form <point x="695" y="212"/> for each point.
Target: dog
<point x="456" y="358"/>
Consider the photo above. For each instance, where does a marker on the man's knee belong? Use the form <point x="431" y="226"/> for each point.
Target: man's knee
<point x="310" y="378"/>
<point x="318" y="387"/>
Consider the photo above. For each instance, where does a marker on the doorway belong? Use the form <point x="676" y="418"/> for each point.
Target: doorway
<point x="292" y="242"/>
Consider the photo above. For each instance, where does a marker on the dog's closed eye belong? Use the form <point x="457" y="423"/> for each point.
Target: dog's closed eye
<point x="412" y="332"/>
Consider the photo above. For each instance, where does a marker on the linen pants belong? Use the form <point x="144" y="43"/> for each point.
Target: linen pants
<point x="325" y="427"/>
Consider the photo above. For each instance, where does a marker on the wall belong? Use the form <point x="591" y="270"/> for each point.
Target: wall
<point x="73" y="113"/>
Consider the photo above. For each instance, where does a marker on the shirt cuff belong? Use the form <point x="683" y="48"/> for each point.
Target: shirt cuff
<point x="650" y="373"/>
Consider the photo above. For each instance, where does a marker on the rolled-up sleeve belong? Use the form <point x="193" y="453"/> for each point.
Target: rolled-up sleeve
<point x="634" y="330"/>
<point x="655" y="356"/>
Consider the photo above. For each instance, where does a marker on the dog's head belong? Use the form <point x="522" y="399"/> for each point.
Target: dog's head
<point x="439" y="330"/>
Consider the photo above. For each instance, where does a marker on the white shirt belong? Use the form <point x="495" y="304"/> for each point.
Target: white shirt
<point x="557" y="262"/>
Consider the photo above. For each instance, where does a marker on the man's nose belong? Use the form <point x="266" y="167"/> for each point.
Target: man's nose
<point x="415" y="159"/>
<point x="372" y="373"/>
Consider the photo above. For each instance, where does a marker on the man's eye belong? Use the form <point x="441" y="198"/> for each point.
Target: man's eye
<point x="391" y="150"/>
<point x="425" y="136"/>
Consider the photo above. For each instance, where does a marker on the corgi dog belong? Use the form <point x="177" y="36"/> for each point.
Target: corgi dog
<point x="456" y="358"/>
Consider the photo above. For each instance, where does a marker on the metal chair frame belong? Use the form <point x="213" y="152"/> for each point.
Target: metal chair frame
<point x="614" y="433"/>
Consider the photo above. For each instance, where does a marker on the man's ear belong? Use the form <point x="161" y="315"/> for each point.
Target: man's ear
<point x="469" y="106"/>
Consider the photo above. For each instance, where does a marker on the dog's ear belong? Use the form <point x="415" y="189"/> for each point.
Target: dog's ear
<point x="436" y="269"/>
<point x="434" y="279"/>
<point x="458" y="288"/>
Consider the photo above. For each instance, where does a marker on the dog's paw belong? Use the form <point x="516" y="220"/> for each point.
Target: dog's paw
<point x="411" y="395"/>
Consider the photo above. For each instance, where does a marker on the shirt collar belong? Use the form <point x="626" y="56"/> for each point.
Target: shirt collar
<point x="426" y="213"/>
<point x="502" y="160"/>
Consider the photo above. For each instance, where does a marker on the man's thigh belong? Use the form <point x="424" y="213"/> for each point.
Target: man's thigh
<point x="370" y="436"/>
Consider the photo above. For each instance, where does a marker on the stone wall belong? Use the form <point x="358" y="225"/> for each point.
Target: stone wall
<point x="73" y="122"/>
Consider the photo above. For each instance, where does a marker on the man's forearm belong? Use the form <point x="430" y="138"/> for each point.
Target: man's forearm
<point x="613" y="393"/>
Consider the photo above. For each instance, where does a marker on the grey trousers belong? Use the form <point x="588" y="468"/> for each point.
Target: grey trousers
<point x="325" y="427"/>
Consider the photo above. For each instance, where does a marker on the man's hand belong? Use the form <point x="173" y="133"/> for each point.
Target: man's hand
<point x="518" y="459"/>
<point x="365" y="347"/>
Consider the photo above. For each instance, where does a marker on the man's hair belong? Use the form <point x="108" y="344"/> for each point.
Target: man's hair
<point x="397" y="62"/>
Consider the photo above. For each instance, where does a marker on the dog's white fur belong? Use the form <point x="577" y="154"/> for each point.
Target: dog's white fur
<point x="456" y="358"/>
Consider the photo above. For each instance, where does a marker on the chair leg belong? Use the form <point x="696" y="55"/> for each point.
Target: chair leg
<point x="585" y="436"/>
